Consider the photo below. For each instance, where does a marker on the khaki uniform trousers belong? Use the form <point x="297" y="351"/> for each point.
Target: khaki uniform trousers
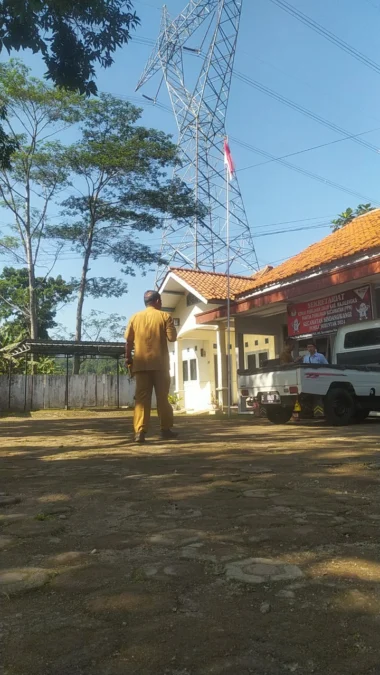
<point x="146" y="381"/>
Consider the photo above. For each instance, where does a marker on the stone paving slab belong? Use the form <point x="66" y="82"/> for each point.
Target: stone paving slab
<point x="262" y="570"/>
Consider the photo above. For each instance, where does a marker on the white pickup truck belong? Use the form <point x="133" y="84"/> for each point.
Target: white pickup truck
<point x="346" y="391"/>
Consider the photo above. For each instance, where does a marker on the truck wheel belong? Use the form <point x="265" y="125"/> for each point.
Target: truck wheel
<point x="360" y="415"/>
<point x="278" y="415"/>
<point x="339" y="407"/>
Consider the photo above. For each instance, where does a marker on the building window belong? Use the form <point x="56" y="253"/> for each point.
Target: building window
<point x="263" y="356"/>
<point x="256" y="343"/>
<point x="193" y="369"/>
<point x="189" y="370"/>
<point x="191" y="299"/>
<point x="267" y="341"/>
<point x="251" y="361"/>
<point x="214" y="346"/>
<point x="246" y="344"/>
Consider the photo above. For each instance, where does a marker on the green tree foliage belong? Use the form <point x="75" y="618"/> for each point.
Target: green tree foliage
<point x="72" y="36"/>
<point x="349" y="214"/>
<point x="7" y="145"/>
<point x="10" y="336"/>
<point x="121" y="192"/>
<point x="51" y="293"/>
<point x="36" y="114"/>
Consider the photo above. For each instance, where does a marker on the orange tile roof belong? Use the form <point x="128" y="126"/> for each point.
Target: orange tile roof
<point x="359" y="236"/>
<point x="212" y="285"/>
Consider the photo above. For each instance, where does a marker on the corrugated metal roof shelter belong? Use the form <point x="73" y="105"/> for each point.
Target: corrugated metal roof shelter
<point x="65" y="348"/>
<point x="27" y="349"/>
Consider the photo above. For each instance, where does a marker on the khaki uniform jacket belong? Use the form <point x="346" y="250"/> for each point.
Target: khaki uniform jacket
<point x="148" y="333"/>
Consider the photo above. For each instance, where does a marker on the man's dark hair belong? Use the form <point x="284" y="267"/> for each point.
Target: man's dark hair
<point x="311" y="342"/>
<point x="290" y="341"/>
<point x="151" y="297"/>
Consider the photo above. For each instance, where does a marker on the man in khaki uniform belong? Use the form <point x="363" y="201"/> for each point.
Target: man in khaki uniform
<point x="147" y="335"/>
<point x="286" y="355"/>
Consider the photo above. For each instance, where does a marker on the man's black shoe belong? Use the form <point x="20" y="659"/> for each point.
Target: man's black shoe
<point x="168" y="435"/>
<point x="140" y="437"/>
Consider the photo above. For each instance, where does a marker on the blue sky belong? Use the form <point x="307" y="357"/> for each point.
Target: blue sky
<point x="286" y="56"/>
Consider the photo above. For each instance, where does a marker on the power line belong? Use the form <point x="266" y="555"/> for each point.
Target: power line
<point x="314" y="147"/>
<point x="305" y="83"/>
<point x="281" y="231"/>
<point x="293" y="229"/>
<point x="328" y="35"/>
<point x="304" y="111"/>
<point x="373" y="4"/>
<point x="286" y="222"/>
<point x="273" y="262"/>
<point x="305" y="172"/>
<point x="300" y="220"/>
<point x="141" y="100"/>
<point x="273" y="158"/>
<point x="292" y="104"/>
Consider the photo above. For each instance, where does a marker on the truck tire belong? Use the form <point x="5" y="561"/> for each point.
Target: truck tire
<point x="278" y="415"/>
<point x="360" y="415"/>
<point x="339" y="407"/>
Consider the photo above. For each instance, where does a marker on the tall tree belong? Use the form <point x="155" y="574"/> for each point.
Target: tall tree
<point x="50" y="294"/>
<point x="36" y="113"/>
<point x="97" y="326"/>
<point x="101" y="326"/>
<point x="121" y="192"/>
<point x="349" y="214"/>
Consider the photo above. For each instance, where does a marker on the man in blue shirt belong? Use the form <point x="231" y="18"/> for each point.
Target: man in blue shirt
<point x="313" y="356"/>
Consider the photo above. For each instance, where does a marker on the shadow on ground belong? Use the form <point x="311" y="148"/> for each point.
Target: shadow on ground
<point x="121" y="559"/>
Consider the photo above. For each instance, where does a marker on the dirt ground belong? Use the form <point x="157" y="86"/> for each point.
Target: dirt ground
<point x="243" y="548"/>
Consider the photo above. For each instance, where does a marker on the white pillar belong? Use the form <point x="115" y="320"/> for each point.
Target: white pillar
<point x="177" y="368"/>
<point x="239" y="351"/>
<point x="238" y="363"/>
<point x="222" y="366"/>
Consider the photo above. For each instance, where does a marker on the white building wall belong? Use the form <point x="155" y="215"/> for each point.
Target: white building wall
<point x="198" y="395"/>
<point x="258" y="344"/>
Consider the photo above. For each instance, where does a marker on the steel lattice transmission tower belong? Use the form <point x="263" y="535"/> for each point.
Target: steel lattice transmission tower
<point x="200" y="114"/>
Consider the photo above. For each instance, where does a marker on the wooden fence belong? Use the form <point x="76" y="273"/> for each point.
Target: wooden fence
<point x="39" y="392"/>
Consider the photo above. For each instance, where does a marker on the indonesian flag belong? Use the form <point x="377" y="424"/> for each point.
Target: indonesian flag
<point x="228" y="161"/>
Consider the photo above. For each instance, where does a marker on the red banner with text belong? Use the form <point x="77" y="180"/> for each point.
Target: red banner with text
<point x="325" y="315"/>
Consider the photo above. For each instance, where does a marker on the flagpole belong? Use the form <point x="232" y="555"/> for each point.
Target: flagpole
<point x="228" y="294"/>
